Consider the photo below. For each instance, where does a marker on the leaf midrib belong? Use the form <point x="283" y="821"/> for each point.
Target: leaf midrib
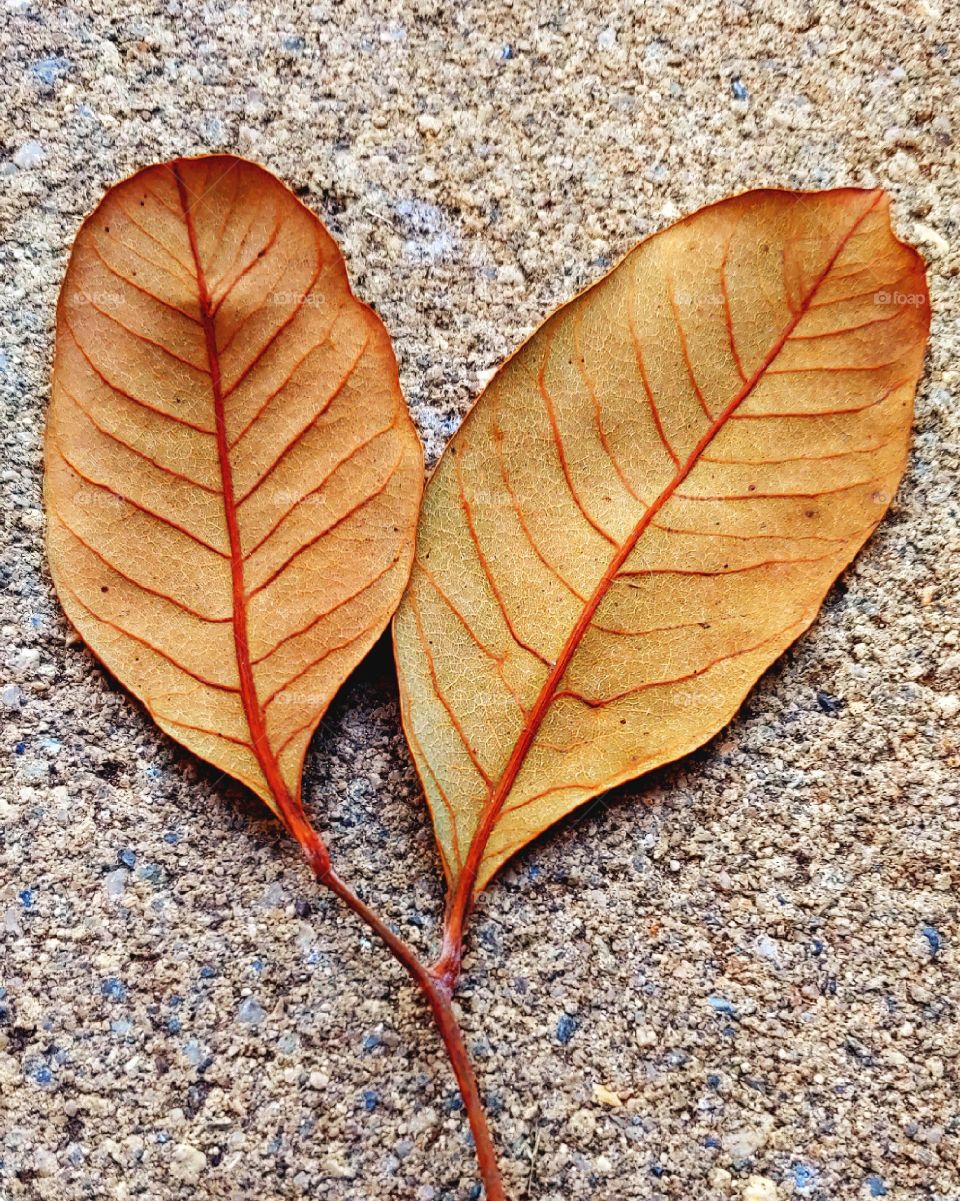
<point x="252" y="707"/>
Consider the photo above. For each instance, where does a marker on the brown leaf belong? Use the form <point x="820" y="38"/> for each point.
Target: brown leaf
<point x="647" y="506"/>
<point x="232" y="477"/>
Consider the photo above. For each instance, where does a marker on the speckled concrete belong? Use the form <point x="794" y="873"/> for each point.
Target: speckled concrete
<point x="735" y="980"/>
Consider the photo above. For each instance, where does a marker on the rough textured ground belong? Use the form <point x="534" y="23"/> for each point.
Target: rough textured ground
<point x="756" y="951"/>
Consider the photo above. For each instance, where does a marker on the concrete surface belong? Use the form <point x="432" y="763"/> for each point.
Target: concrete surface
<point x="737" y="979"/>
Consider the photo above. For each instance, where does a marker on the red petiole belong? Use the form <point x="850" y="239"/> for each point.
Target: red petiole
<point x="437" y="983"/>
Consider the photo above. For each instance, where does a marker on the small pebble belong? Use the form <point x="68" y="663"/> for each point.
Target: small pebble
<point x="115" y="882"/>
<point x="187" y="1163"/>
<point x="429" y="124"/>
<point x="831" y="705"/>
<point x="30" y="154"/>
<point x="26" y="660"/>
<point x="605" y="1096"/>
<point x="760" y="1188"/>
<point x="194" y="1053"/>
<point x="49" y="70"/>
<point x="804" y="1175"/>
<point x="932" y="935"/>
<point x="113" y="989"/>
<point x="583" y="1125"/>
<point x="42" y="1075"/>
<point x="251" y="1012"/>
<point x="566" y="1028"/>
<point x="45" y="1162"/>
<point x="743" y="1143"/>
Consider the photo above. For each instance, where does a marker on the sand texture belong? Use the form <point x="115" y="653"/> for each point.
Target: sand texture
<point x="736" y="979"/>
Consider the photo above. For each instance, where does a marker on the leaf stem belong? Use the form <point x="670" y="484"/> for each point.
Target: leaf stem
<point x="438" y="991"/>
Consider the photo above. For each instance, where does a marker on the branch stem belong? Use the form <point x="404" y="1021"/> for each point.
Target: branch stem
<point x="437" y="988"/>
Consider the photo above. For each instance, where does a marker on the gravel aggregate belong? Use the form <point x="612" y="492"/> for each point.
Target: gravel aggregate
<point x="736" y="979"/>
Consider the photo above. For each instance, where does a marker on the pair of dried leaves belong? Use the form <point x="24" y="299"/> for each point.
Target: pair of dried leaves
<point x="645" y="507"/>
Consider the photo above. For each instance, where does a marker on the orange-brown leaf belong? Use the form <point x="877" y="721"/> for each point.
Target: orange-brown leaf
<point x="232" y="477"/>
<point x="647" y="506"/>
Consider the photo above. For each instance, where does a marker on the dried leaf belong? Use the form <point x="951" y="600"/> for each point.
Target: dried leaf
<point x="647" y="506"/>
<point x="232" y="477"/>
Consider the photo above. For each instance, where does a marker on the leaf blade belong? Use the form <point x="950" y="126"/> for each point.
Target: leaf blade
<point x="232" y="477"/>
<point x="583" y="537"/>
